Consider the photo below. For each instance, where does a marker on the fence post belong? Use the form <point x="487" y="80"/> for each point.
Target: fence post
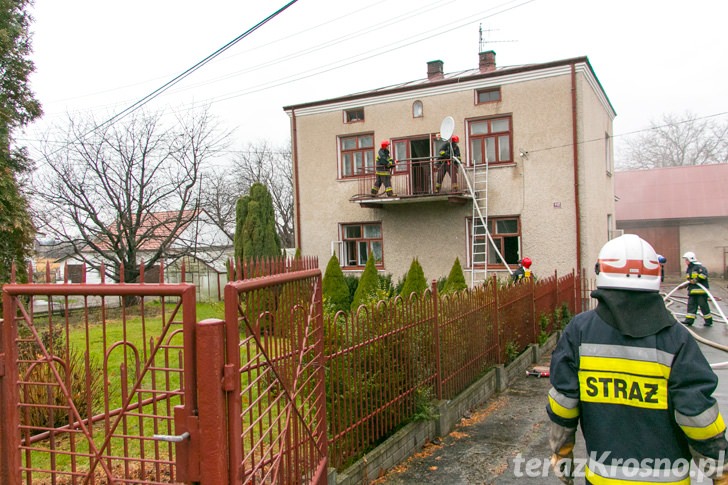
<point x="9" y="414"/>
<point x="496" y="322"/>
<point x="436" y="336"/>
<point x="534" y="318"/>
<point x="211" y="402"/>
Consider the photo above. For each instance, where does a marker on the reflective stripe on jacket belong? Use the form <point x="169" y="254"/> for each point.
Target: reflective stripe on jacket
<point x="699" y="273"/>
<point x="642" y="399"/>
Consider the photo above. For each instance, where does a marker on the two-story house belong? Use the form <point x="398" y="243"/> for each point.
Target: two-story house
<point x="535" y="177"/>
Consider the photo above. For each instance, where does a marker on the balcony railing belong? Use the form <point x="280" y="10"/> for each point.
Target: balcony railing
<point x="416" y="178"/>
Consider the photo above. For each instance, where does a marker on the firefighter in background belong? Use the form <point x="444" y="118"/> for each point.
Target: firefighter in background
<point x="697" y="297"/>
<point x="523" y="273"/>
<point x="383" y="167"/>
<point x="445" y="163"/>
<point x="635" y="381"/>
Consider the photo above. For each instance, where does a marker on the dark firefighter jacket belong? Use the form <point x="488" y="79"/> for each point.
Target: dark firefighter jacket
<point x="445" y="153"/>
<point x="639" y="386"/>
<point x="521" y="274"/>
<point x="384" y="162"/>
<point x="699" y="273"/>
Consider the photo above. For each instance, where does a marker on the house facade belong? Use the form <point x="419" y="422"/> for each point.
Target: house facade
<point x="678" y="209"/>
<point x="535" y="170"/>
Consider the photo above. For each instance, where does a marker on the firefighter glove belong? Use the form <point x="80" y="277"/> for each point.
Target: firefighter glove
<point x="563" y="465"/>
<point x="561" y="442"/>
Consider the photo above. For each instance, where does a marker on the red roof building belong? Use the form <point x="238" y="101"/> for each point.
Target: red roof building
<point x="677" y="209"/>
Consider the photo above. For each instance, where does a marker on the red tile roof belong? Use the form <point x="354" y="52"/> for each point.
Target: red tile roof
<point x="156" y="227"/>
<point x="672" y="193"/>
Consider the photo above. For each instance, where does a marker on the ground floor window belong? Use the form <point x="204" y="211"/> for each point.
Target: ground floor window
<point x="359" y="240"/>
<point x="506" y="235"/>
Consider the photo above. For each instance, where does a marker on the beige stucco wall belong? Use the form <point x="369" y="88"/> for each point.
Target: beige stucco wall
<point x="706" y="240"/>
<point x="596" y="181"/>
<point x="538" y="187"/>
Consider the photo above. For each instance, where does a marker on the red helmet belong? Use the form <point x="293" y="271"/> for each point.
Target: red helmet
<point x="385" y="143"/>
<point x="526" y="262"/>
<point x="455" y="139"/>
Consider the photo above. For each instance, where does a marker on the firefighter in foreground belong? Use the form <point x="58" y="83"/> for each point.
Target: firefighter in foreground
<point x="697" y="297"/>
<point x="384" y="165"/>
<point x="636" y="382"/>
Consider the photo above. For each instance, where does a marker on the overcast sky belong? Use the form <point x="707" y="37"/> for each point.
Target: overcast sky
<point x="98" y="57"/>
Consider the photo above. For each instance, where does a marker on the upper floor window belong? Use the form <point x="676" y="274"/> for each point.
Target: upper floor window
<point x="417" y="109"/>
<point x="487" y="95"/>
<point x="506" y="235"/>
<point x="490" y="140"/>
<point x="357" y="155"/>
<point x="608" y="154"/>
<point x="359" y="241"/>
<point x="353" y="115"/>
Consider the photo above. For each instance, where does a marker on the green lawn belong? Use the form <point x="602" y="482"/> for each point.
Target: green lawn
<point x="122" y="348"/>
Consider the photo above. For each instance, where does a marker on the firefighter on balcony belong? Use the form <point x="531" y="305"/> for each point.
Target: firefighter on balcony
<point x="635" y="381"/>
<point x="697" y="297"/>
<point x="446" y="164"/>
<point x="383" y="167"/>
<point x="523" y="273"/>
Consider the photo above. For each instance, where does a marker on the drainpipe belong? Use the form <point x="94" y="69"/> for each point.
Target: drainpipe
<point x="575" y="148"/>
<point x="296" y="198"/>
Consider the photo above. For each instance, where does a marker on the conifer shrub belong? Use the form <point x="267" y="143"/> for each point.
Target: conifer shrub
<point x="415" y="281"/>
<point x="334" y="287"/>
<point x="352" y="281"/>
<point x="368" y="287"/>
<point x="456" y="278"/>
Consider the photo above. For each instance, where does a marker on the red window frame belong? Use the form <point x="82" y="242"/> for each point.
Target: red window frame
<point x="491" y="136"/>
<point x="489" y="92"/>
<point x="362" y="148"/>
<point x="358" y="240"/>
<point x="508" y="242"/>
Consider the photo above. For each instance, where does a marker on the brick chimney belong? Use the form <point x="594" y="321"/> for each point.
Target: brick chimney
<point x="434" y="70"/>
<point x="487" y="61"/>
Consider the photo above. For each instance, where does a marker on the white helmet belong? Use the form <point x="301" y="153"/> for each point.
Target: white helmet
<point x="628" y="263"/>
<point x="690" y="256"/>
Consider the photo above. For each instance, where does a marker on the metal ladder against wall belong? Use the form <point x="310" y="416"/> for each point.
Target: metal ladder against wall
<point x="476" y="179"/>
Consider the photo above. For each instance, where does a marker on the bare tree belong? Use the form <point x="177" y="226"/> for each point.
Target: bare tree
<point x="116" y="190"/>
<point x="676" y="141"/>
<point x="220" y="192"/>
<point x="273" y="167"/>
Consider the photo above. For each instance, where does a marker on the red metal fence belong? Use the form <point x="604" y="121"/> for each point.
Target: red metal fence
<point x="388" y="359"/>
<point x="277" y="406"/>
<point x="119" y="383"/>
<point x="85" y="390"/>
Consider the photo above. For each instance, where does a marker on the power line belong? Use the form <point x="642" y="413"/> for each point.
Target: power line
<point x="635" y="132"/>
<point x="194" y="68"/>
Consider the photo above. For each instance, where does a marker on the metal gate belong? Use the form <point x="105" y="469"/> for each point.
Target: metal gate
<point x="95" y="389"/>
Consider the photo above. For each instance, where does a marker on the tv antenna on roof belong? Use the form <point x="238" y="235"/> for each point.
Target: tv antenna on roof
<point x="482" y="42"/>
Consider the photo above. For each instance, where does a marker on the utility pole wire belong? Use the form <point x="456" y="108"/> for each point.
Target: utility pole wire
<point x="192" y="69"/>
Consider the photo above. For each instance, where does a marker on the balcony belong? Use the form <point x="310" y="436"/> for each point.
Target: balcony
<point x="414" y="181"/>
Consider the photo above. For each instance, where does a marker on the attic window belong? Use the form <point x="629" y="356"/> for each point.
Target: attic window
<point x="417" y="109"/>
<point x="353" y="115"/>
<point x="487" y="95"/>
